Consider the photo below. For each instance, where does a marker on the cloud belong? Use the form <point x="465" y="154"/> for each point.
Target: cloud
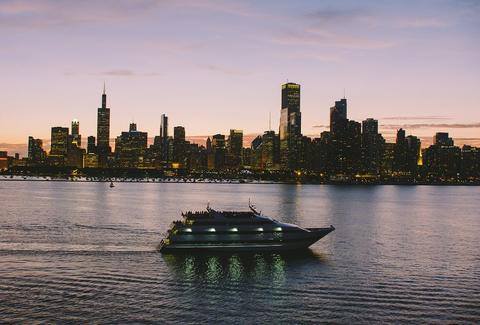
<point x="229" y="7"/>
<point x="423" y="22"/>
<point x="406" y="118"/>
<point x="117" y="73"/>
<point x="368" y="17"/>
<point x="45" y="13"/>
<point x="127" y="73"/>
<point x="470" y="7"/>
<point x="410" y="126"/>
<point x="346" y="28"/>
<point x="29" y="14"/>
<point x="20" y="7"/>
<point x="356" y="28"/>
<point x="12" y="148"/>
<point x="333" y="15"/>
<point x="317" y="57"/>
<point x="432" y="125"/>
<point x="324" y="38"/>
<point x="224" y="70"/>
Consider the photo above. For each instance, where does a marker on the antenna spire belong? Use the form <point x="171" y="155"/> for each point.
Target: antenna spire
<point x="104" y="97"/>
<point x="344" y="93"/>
<point x="269" y="121"/>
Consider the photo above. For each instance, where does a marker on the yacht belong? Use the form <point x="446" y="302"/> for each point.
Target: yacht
<point x="234" y="231"/>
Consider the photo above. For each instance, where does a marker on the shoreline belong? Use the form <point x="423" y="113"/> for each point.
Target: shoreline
<point x="225" y="182"/>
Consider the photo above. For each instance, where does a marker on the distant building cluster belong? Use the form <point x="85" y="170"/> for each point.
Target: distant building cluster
<point x="349" y="149"/>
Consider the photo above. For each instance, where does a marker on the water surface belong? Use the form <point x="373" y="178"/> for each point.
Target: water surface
<point x="73" y="251"/>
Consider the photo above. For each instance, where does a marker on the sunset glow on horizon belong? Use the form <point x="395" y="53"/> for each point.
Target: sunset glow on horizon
<point x="212" y="65"/>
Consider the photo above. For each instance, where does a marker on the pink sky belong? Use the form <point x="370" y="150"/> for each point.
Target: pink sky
<point x="214" y="65"/>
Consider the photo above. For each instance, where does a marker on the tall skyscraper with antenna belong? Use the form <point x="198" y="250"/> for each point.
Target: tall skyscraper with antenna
<point x="103" y="131"/>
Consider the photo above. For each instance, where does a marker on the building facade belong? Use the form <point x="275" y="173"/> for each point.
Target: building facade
<point x="290" y="130"/>
<point x="76" y="137"/>
<point x="36" y="154"/>
<point x="103" y="132"/>
<point x="58" y="146"/>
<point x="130" y="148"/>
<point x="235" y="149"/>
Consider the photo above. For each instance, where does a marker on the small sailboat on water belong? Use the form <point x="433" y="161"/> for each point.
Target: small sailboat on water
<point x="111" y="184"/>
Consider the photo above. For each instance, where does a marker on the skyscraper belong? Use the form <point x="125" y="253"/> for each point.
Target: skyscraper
<point x="164" y="137"/>
<point x="338" y="116"/>
<point x="91" y="147"/>
<point x="218" y="148"/>
<point x="414" y="147"/>
<point x="442" y="139"/>
<point x="59" y="141"/>
<point x="370" y="126"/>
<point x="179" y="133"/>
<point x="59" y="146"/>
<point x="132" y="127"/>
<point x="76" y="137"/>
<point x="400" y="163"/>
<point x="269" y="150"/>
<point x="36" y="154"/>
<point x="130" y="147"/>
<point x="235" y="146"/>
<point x="103" y="131"/>
<point x="372" y="146"/>
<point x="290" y="126"/>
<point x="344" y="141"/>
<point x="164" y="126"/>
<point x="179" y="146"/>
<point x="400" y="136"/>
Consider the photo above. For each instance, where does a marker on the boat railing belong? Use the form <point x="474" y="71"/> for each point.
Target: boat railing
<point x="252" y="207"/>
<point x="196" y="214"/>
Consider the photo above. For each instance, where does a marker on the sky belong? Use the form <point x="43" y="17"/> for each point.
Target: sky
<point x="213" y="65"/>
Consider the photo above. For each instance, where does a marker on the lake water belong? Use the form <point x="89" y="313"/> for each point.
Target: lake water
<point x="76" y="252"/>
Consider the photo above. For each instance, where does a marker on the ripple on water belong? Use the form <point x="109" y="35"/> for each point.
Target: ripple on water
<point x="79" y="251"/>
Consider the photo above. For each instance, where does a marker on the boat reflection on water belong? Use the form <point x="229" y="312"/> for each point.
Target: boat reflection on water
<point x="216" y="268"/>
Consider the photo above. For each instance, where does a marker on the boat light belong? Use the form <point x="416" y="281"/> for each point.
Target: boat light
<point x="277" y="228"/>
<point x="211" y="229"/>
<point x="259" y="229"/>
<point x="234" y="229"/>
<point x="187" y="230"/>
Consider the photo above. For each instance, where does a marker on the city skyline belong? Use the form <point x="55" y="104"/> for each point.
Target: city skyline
<point x="211" y="64"/>
<point x="182" y="161"/>
<point x="104" y="127"/>
<point x="348" y="151"/>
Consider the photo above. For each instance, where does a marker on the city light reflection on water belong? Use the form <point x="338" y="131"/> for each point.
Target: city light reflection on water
<point x="236" y="268"/>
